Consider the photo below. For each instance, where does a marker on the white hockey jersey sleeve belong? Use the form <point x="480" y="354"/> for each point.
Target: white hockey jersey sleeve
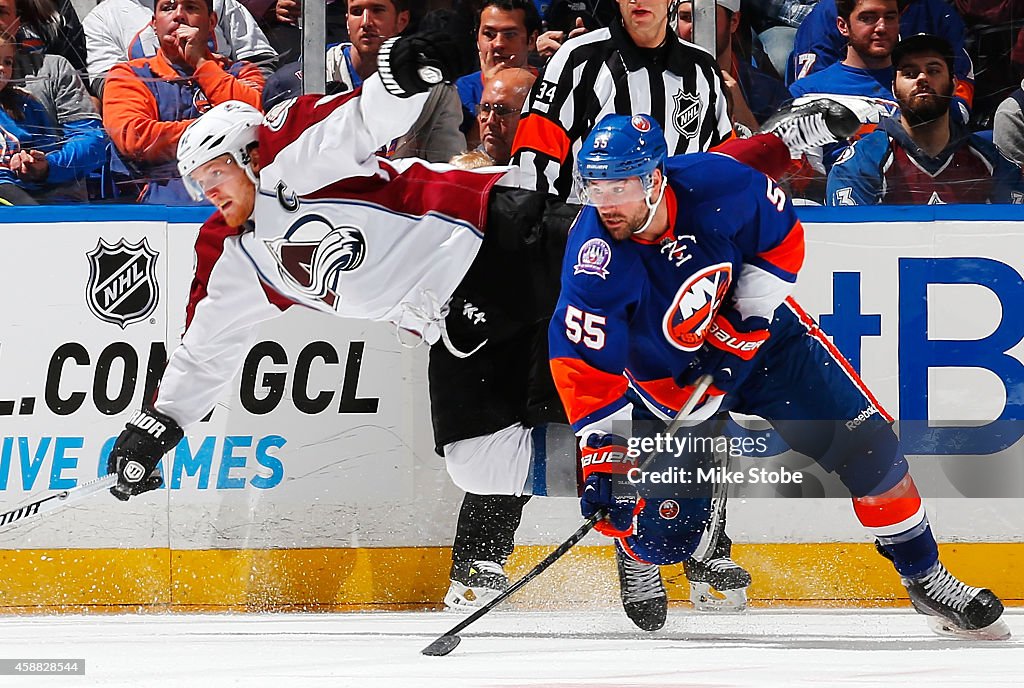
<point x="312" y="141"/>
<point x="226" y="304"/>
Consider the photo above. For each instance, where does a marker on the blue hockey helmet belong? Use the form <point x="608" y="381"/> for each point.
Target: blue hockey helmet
<point x="621" y="146"/>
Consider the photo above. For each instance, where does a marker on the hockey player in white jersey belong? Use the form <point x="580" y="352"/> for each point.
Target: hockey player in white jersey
<point x="302" y="197"/>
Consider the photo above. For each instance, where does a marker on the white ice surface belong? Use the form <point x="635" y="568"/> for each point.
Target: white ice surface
<point x="568" y="650"/>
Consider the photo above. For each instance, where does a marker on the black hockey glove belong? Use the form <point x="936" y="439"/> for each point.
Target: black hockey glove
<point x="413" y="64"/>
<point x="729" y="351"/>
<point x="147" y="436"/>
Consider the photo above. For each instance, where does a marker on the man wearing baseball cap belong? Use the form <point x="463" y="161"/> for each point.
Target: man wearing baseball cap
<point x="922" y="155"/>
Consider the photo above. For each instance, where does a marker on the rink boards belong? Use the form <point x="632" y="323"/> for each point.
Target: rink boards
<point x="314" y="481"/>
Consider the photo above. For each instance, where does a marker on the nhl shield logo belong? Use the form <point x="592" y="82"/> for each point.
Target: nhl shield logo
<point x="686" y="116"/>
<point x="122" y="285"/>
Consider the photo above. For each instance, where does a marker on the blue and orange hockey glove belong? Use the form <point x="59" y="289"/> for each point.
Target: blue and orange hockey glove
<point x="729" y="351"/>
<point x="606" y="464"/>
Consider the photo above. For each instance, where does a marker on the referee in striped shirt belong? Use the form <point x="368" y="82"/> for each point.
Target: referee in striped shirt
<point x="636" y="66"/>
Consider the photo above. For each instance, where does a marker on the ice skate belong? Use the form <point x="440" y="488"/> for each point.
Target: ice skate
<point x="643" y="594"/>
<point x="474" y="584"/>
<point x="956" y="609"/>
<point x="718" y="584"/>
<point x="818" y="120"/>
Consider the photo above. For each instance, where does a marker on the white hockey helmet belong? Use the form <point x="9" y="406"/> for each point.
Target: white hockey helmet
<point x="227" y="129"/>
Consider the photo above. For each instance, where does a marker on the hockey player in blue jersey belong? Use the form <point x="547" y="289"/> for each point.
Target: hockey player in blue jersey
<point x="679" y="267"/>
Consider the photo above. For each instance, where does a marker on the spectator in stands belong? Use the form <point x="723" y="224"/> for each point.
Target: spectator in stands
<point x="1008" y="131"/>
<point x="775" y="23"/>
<point x="370" y="23"/>
<point x="120" y="30"/>
<point x="497" y="115"/>
<point x="45" y="28"/>
<point x="923" y="156"/>
<point x="38" y="162"/>
<point x="148" y="102"/>
<point x="754" y="95"/>
<point x="870" y="30"/>
<point x="435" y="136"/>
<point x="507" y="32"/>
<point x="821" y="41"/>
<point x="55" y="84"/>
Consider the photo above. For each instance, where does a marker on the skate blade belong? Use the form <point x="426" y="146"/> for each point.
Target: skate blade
<point x="997" y="630"/>
<point x="707" y="599"/>
<point x="464" y="599"/>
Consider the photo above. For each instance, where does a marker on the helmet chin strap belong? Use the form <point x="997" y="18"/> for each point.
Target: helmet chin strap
<point x="652" y="207"/>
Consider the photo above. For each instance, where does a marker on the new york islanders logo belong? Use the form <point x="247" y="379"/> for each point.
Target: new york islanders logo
<point x="668" y="509"/>
<point x="313" y="253"/>
<point x="641" y="123"/>
<point x="694" y="306"/>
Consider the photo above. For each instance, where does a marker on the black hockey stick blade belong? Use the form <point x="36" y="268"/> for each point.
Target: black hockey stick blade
<point x="450" y="640"/>
<point x="443" y="645"/>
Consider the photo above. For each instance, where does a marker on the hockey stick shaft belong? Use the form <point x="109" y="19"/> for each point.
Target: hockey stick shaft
<point x="56" y="501"/>
<point x="442" y="645"/>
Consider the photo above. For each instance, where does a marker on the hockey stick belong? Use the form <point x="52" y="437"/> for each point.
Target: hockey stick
<point x="450" y="640"/>
<point x="719" y="498"/>
<point x="56" y="501"/>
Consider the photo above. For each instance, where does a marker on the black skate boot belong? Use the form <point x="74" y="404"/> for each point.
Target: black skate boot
<point x="643" y="594"/>
<point x="956" y="609"/>
<point x="718" y="584"/>
<point x="484" y="539"/>
<point x="474" y="584"/>
<point x="813" y="121"/>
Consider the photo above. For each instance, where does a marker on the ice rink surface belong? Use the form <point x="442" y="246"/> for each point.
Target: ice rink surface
<point x="564" y="649"/>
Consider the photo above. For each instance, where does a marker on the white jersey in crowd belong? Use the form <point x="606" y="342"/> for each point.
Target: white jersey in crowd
<point x="337" y="229"/>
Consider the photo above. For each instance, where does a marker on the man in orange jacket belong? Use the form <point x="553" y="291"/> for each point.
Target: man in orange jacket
<point x="148" y="102"/>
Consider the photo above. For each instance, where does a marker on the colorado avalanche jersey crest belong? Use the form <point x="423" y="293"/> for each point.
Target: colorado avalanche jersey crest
<point x="355" y="234"/>
<point x="313" y="253"/>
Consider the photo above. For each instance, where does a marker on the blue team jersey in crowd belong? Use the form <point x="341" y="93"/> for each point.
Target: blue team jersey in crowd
<point x="888" y="167"/>
<point x="847" y="81"/>
<point x="471" y="89"/>
<point x="33" y="131"/>
<point x="819" y="44"/>
<point x="632" y="314"/>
